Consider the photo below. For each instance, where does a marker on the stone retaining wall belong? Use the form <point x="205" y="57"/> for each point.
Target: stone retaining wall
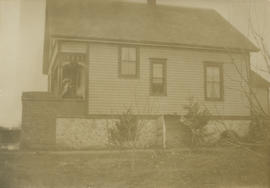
<point x="87" y="133"/>
<point x="216" y="127"/>
<point x="48" y="121"/>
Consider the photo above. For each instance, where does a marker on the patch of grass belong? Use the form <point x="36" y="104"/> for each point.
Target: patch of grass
<point x="182" y="168"/>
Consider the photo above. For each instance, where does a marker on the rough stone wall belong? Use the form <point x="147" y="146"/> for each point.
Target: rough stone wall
<point x="81" y="133"/>
<point x="149" y="133"/>
<point x="216" y="127"/>
<point x="178" y="135"/>
<point x="39" y="112"/>
<point x="86" y="133"/>
<point x="44" y="125"/>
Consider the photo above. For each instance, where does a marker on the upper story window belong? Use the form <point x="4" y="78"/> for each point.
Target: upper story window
<point x="158" y="84"/>
<point x="128" y="62"/>
<point x="69" y="77"/>
<point x="213" y="81"/>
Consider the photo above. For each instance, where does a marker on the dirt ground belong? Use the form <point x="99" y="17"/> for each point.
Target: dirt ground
<point x="222" y="168"/>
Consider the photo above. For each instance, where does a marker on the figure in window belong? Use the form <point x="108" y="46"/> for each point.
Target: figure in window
<point x="68" y="79"/>
<point x="73" y="81"/>
<point x="68" y="90"/>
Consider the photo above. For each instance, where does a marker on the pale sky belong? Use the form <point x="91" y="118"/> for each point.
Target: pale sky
<point x="21" y="43"/>
<point x="21" y="46"/>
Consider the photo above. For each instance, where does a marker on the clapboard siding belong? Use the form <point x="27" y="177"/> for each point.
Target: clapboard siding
<point x="185" y="78"/>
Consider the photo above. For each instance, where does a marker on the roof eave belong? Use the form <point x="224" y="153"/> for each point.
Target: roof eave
<point x="143" y="43"/>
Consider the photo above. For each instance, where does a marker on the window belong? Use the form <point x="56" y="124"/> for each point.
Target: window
<point x="73" y="81"/>
<point x="158" y="77"/>
<point x="128" y="63"/>
<point x="69" y="77"/>
<point x="213" y="81"/>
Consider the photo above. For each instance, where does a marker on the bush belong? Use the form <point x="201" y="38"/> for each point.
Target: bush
<point x="195" y="120"/>
<point x="229" y="136"/>
<point x="125" y="130"/>
<point x="259" y="131"/>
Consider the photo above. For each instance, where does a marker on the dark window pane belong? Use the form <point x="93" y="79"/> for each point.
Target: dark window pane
<point x="128" y="61"/>
<point x="213" y="73"/>
<point x="213" y="82"/>
<point x="213" y="89"/>
<point x="124" y="54"/>
<point x="128" y="68"/>
<point x="157" y="89"/>
<point x="69" y="74"/>
<point x="73" y="77"/>
<point x="157" y="81"/>
<point x="158" y="70"/>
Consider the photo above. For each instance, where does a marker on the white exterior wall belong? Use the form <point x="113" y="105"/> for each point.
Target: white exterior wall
<point x="109" y="94"/>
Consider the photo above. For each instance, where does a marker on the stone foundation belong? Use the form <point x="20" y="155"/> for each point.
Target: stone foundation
<point x="216" y="127"/>
<point x="179" y="136"/>
<point x="49" y="122"/>
<point x="87" y="133"/>
<point x="149" y="133"/>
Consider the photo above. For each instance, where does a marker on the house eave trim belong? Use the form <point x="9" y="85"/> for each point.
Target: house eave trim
<point x="65" y="38"/>
<point x="149" y="43"/>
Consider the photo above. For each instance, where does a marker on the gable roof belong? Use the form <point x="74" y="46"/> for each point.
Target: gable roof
<point x="138" y="22"/>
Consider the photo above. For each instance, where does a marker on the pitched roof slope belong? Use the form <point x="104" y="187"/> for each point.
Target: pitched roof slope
<point x="143" y="23"/>
<point x="260" y="78"/>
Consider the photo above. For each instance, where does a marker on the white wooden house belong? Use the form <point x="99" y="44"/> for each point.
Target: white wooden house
<point x="108" y="56"/>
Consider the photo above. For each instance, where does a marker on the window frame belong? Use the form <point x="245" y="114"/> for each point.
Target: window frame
<point x="59" y="67"/>
<point x="137" y="55"/>
<point x="163" y="62"/>
<point x="221" y="78"/>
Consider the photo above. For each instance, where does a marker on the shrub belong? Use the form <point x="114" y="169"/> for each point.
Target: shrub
<point x="124" y="130"/>
<point x="259" y="131"/>
<point x="196" y="119"/>
<point x="229" y="136"/>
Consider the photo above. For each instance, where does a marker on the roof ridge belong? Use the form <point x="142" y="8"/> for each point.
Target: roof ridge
<point x="160" y="5"/>
<point x="108" y="2"/>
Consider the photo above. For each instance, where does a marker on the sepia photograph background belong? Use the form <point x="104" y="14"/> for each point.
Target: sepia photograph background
<point x="68" y="130"/>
